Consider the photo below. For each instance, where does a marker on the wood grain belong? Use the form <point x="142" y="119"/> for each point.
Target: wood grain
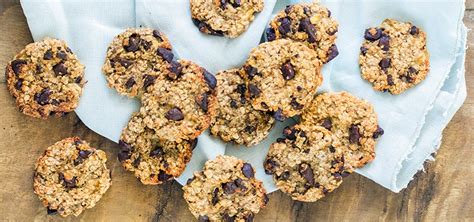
<point x="442" y="193"/>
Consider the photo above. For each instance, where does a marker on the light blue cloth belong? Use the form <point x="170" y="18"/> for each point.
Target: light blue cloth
<point x="413" y="121"/>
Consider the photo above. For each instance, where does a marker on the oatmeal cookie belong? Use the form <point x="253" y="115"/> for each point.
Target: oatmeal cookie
<point x="136" y="58"/>
<point x="70" y="177"/>
<point x="236" y="119"/>
<point x="228" y="18"/>
<point x="181" y="107"/>
<point x="394" y="56"/>
<point x="282" y="77"/>
<point x="311" y="24"/>
<point x="46" y="79"/>
<point x="152" y="160"/>
<point x="226" y="190"/>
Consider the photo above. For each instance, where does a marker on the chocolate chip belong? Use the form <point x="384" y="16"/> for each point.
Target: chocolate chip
<point x="247" y="170"/>
<point x="202" y="101"/>
<point x="373" y="34"/>
<point x="236" y="3"/>
<point x="308" y="27"/>
<point x="125" y="62"/>
<point x="229" y="187"/>
<point x="384" y="63"/>
<point x="174" y="114"/>
<point x="227" y="218"/>
<point x="241" y="88"/>
<point x="130" y="82"/>
<point x="363" y="50"/>
<point x="278" y="115"/>
<point x="270" y="32"/>
<point x="210" y="79"/>
<point x="254" y="91"/>
<point x="249" y="218"/>
<point x="414" y="30"/>
<point x="354" y="134"/>
<point x="233" y="104"/>
<point x="251" y="71"/>
<point x="333" y="52"/>
<point x="249" y="129"/>
<point x="284" y="176"/>
<point x="78" y="80"/>
<point x="215" y="197"/>
<point x="270" y="166"/>
<point x="205" y="28"/>
<point x="306" y="172"/>
<point x="223" y="4"/>
<point x="166" y="54"/>
<point x="17" y="64"/>
<point x="148" y="81"/>
<point x="42" y="97"/>
<point x="84" y="153"/>
<point x="62" y="55"/>
<point x="157" y="35"/>
<point x="48" y="55"/>
<point x="299" y="88"/>
<point x="295" y="104"/>
<point x="203" y="218"/>
<point x="379" y="132"/>
<point x="412" y="70"/>
<point x="18" y="84"/>
<point x="290" y="132"/>
<point x="175" y="70"/>
<point x="60" y="69"/>
<point x="193" y="144"/>
<point x="329" y="13"/>
<point x="332" y="149"/>
<point x="287" y="71"/>
<point x="288" y="9"/>
<point x="50" y="211"/>
<point x="384" y="42"/>
<point x="285" y="25"/>
<point x="133" y="43"/>
<point x="157" y="152"/>
<point x="390" y="80"/>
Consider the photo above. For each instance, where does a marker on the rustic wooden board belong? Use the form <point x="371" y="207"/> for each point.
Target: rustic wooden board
<point x="444" y="192"/>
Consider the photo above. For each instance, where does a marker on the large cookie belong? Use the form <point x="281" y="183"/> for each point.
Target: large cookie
<point x="46" y="79"/>
<point x="228" y="18"/>
<point x="70" y="177"/>
<point x="181" y="107"/>
<point x="152" y="160"/>
<point x="282" y="77"/>
<point x="394" y="56"/>
<point x="236" y="119"/>
<point x="226" y="190"/>
<point x="308" y="23"/>
<point x="136" y="58"/>
<point x="352" y="121"/>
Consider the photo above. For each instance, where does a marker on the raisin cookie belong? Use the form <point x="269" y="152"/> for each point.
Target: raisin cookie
<point x="136" y="58"/>
<point x="70" y="177"/>
<point x="236" y="119"/>
<point x="394" y="56"/>
<point x="228" y="18"/>
<point x="226" y="190"/>
<point x="46" y="79"/>
<point x="152" y="160"/>
<point x="353" y="123"/>
<point x="308" y="23"/>
<point x="282" y="76"/>
<point x="181" y="107"/>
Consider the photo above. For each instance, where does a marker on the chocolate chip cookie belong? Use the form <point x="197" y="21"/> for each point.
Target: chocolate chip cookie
<point x="236" y="119"/>
<point x="282" y="76"/>
<point x="311" y="24"/>
<point x="152" y="160"/>
<point x="70" y="177"/>
<point x="394" y="56"/>
<point x="226" y="190"/>
<point x="228" y="18"/>
<point x="305" y="164"/>
<point x="136" y="58"/>
<point x="46" y="79"/>
<point x="352" y="121"/>
<point x="181" y="107"/>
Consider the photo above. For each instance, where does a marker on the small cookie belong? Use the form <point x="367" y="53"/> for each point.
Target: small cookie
<point x="46" y="79"/>
<point x="70" y="177"/>
<point x="352" y="121"/>
<point x="282" y="77"/>
<point x="181" y="107"/>
<point x="152" y="160"/>
<point x="228" y="18"/>
<point x="236" y="119"/>
<point x="394" y="56"/>
<point x="304" y="164"/>
<point x="226" y="190"/>
<point x="136" y="58"/>
<point x="308" y="23"/>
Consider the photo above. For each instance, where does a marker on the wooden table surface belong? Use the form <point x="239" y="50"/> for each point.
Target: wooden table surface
<point x="443" y="192"/>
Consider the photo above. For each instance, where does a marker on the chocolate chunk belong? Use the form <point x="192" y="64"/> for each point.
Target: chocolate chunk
<point x="84" y="153"/>
<point x="414" y="30"/>
<point x="249" y="129"/>
<point x="68" y="183"/>
<point x="48" y="55"/>
<point x="210" y="79"/>
<point x="354" y="134"/>
<point x="254" y="91"/>
<point x="379" y="132"/>
<point x="50" y="211"/>
<point x="60" y="69"/>
<point x="307" y="11"/>
<point x="373" y="34"/>
<point x="130" y="82"/>
<point x="288" y="9"/>
<point x="229" y="187"/>
<point x="78" y="80"/>
<point x="384" y="63"/>
<point x="390" y="80"/>
<point x="278" y="115"/>
<point x="42" y="97"/>
<point x="193" y="143"/>
<point x="271" y="35"/>
<point x="62" y="55"/>
<point x="299" y="88"/>
<point x="174" y="114"/>
<point x="251" y="71"/>
<point x="332" y="149"/>
<point x="223" y="4"/>
<point x="236" y="3"/>
<point x="308" y="27"/>
<point x="233" y="104"/>
<point x="175" y="70"/>
<point x="215" y="197"/>
<point x="125" y="62"/>
<point x="287" y="71"/>
<point x="270" y="166"/>
<point x="133" y="43"/>
<point x="18" y="84"/>
<point x="384" y="42"/>
<point x="290" y="132"/>
<point x="202" y="101"/>
<point x="157" y="152"/>
<point x="306" y="172"/>
<point x="203" y="218"/>
<point x="363" y="50"/>
<point x="145" y="44"/>
<point x="285" y="25"/>
<point x="247" y="170"/>
<point x="157" y="35"/>
<point x="412" y="70"/>
<point x="162" y="176"/>
<point x="136" y="162"/>
<point x="249" y="218"/>
<point x="166" y="54"/>
<point x="327" y="123"/>
<point x="295" y="104"/>
<point x="17" y="64"/>
<point x="284" y="176"/>
<point x="148" y="81"/>
<point x="333" y="52"/>
<point x="241" y="88"/>
<point x="205" y="28"/>
<point x="227" y="218"/>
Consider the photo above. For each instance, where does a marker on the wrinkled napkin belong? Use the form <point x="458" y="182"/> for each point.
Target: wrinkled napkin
<point x="413" y="121"/>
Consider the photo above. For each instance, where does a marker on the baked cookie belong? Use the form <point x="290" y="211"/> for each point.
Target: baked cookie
<point x="70" y="177"/>
<point x="304" y="163"/>
<point x="46" y="79"/>
<point x="228" y="18"/>
<point x="282" y="77"/>
<point x="182" y="107"/>
<point x="236" y="119"/>
<point x="226" y="190"/>
<point x="394" y="56"/>
<point x="352" y="121"/>
<point x="136" y="58"/>
<point x="152" y="160"/>
<point x="308" y="23"/>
